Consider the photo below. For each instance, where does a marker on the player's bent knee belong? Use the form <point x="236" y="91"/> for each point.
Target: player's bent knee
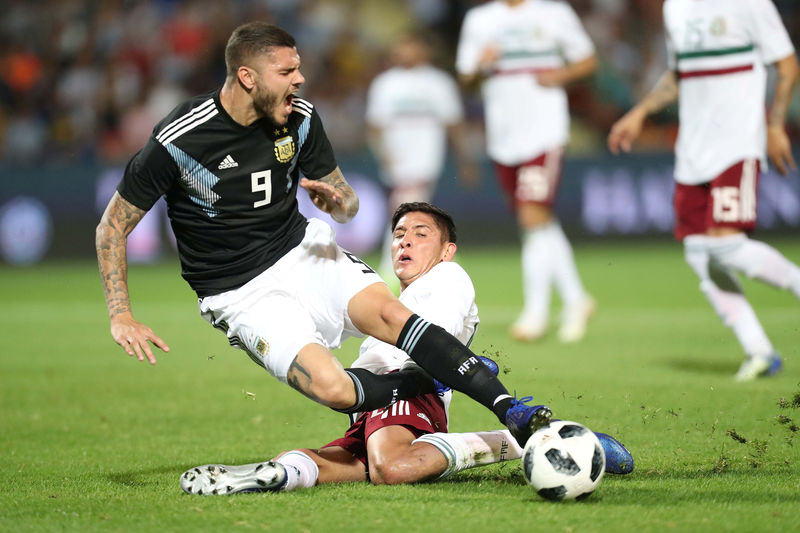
<point x="388" y="473"/>
<point x="336" y="393"/>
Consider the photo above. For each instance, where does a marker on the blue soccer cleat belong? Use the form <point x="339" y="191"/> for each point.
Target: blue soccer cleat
<point x="775" y="365"/>
<point x="618" y="459"/>
<point x="523" y="420"/>
<point x="755" y="367"/>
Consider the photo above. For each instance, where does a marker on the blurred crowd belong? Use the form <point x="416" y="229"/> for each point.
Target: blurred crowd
<point x="85" y="81"/>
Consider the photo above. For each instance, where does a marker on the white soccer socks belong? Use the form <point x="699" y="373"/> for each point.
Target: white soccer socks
<point x="467" y="450"/>
<point x="565" y="272"/>
<point x="301" y="471"/>
<point x="756" y="260"/>
<point x="725" y="295"/>
<point x="536" y="281"/>
<point x="548" y="261"/>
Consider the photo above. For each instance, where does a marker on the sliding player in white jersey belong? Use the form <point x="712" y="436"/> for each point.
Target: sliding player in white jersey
<point x="718" y="53"/>
<point x="408" y="441"/>
<point x="523" y="52"/>
<point x="413" y="108"/>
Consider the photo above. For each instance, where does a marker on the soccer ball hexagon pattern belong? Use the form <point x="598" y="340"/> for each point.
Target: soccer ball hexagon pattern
<point x="563" y="461"/>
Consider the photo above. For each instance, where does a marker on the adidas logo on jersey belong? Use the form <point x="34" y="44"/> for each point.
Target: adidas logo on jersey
<point x="228" y="162"/>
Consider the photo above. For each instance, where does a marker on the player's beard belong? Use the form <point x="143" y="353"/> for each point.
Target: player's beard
<point x="269" y="103"/>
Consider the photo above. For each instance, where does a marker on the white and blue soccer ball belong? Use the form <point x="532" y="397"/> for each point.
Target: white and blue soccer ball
<point x="563" y="461"/>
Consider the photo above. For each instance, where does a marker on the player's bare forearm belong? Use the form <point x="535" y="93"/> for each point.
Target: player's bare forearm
<point x="486" y="64"/>
<point x="580" y="69"/>
<point x="779" y="147"/>
<point x="346" y="205"/>
<point x="570" y="73"/>
<point x="663" y="94"/>
<point x="787" y="71"/>
<point x="111" y="239"/>
<point x="625" y="131"/>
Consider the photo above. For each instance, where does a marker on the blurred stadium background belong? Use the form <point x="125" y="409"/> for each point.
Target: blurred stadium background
<point x="83" y="82"/>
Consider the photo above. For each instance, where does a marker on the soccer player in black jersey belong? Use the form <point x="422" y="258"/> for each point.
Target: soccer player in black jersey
<point x="229" y="164"/>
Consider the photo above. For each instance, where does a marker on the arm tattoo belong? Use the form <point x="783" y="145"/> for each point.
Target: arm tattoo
<point x="111" y="239"/>
<point x="337" y="181"/>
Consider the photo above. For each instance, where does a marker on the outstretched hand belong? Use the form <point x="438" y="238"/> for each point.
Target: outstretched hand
<point x="326" y="198"/>
<point x="133" y="336"/>
<point x="625" y="131"/>
<point x="779" y="150"/>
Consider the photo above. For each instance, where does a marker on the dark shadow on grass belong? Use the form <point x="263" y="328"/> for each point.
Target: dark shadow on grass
<point x="702" y="366"/>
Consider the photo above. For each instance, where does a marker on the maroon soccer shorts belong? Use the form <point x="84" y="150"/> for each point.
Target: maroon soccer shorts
<point x="727" y="201"/>
<point x="535" y="181"/>
<point x="420" y="415"/>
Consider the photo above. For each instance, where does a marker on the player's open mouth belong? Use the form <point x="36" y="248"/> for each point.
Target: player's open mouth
<point x="404" y="258"/>
<point x="287" y="102"/>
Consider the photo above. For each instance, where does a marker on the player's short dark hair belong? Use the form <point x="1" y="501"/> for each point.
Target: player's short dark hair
<point x="252" y="39"/>
<point x="442" y="218"/>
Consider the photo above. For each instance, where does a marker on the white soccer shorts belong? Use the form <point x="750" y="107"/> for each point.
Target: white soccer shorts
<point x="301" y="299"/>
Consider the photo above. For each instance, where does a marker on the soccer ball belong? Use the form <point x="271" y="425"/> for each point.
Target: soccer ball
<point x="563" y="461"/>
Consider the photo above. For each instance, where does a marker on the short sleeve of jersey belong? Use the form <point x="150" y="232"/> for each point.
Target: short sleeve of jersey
<point x="443" y="296"/>
<point x="470" y="44"/>
<point x="316" y="159"/>
<point x="769" y="33"/>
<point x="573" y="39"/>
<point x="148" y="175"/>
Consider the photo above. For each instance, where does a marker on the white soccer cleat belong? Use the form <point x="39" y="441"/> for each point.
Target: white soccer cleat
<point x="573" y="327"/>
<point x="223" y="479"/>
<point x="754" y="367"/>
<point x="527" y="329"/>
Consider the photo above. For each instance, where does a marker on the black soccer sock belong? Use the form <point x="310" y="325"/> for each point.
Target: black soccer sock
<point x="452" y="363"/>
<point x="375" y="391"/>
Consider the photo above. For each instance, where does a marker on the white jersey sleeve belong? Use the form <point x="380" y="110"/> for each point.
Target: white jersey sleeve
<point x="444" y="296"/>
<point x="573" y="40"/>
<point x="471" y="43"/>
<point x="768" y="31"/>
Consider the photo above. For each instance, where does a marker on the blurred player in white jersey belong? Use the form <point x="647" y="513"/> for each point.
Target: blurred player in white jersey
<point x="408" y="441"/>
<point x="523" y="53"/>
<point x="718" y="51"/>
<point x="412" y="109"/>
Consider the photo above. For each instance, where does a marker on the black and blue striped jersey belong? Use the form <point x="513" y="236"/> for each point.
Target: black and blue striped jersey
<point x="230" y="189"/>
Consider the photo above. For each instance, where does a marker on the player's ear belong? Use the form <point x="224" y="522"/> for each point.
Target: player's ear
<point x="449" y="251"/>
<point x="246" y="77"/>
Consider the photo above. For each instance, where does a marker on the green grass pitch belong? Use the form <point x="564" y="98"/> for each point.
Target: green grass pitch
<point x="92" y="440"/>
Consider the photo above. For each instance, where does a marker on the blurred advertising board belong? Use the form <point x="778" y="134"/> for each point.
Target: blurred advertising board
<point x="51" y="212"/>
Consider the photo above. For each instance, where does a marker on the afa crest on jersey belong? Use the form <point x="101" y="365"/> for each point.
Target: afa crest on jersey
<point x="262" y="347"/>
<point x="284" y="149"/>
